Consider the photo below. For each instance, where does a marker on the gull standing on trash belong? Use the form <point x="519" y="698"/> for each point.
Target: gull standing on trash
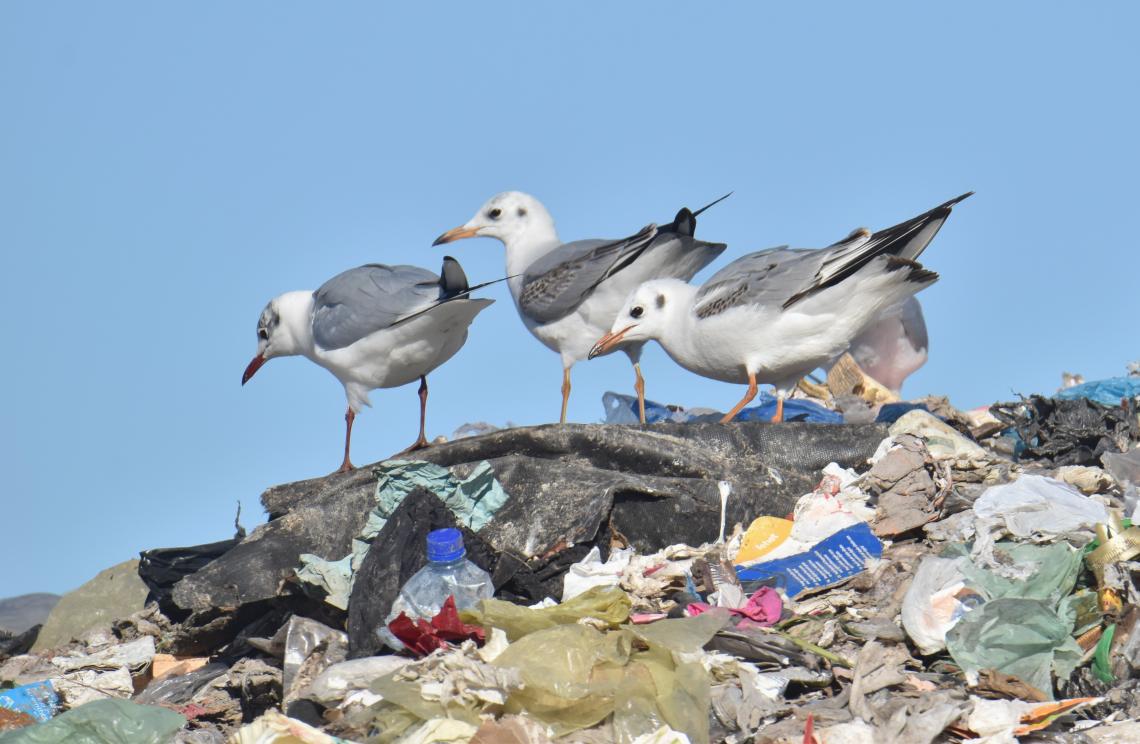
<point x="374" y="326"/>
<point x="776" y="315"/>
<point x="568" y="294"/>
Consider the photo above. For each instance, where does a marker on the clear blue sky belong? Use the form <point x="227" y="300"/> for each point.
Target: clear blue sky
<point x="166" y="168"/>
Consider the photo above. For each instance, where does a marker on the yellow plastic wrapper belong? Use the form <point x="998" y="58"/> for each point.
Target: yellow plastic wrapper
<point x="608" y="605"/>
<point x="570" y="673"/>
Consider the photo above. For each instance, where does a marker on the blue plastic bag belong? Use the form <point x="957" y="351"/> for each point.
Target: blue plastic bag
<point x="622" y="409"/>
<point x="1106" y="392"/>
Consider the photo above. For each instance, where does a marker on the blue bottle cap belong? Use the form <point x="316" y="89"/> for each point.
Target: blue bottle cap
<point x="445" y="545"/>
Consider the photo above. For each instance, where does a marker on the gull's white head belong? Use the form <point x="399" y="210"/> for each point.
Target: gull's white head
<point x="511" y="216"/>
<point x="647" y="315"/>
<point x="280" y="329"/>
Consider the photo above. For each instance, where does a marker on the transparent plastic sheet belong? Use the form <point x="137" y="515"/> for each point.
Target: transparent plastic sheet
<point x="570" y="674"/>
<point x="609" y="605"/>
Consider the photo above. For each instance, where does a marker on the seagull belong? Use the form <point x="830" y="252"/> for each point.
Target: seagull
<point x="776" y="315"/>
<point x="375" y="326"/>
<point x="894" y="345"/>
<point x="568" y="294"/>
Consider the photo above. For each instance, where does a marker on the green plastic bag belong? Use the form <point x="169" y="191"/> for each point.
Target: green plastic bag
<point x="102" y="722"/>
<point x="1023" y="637"/>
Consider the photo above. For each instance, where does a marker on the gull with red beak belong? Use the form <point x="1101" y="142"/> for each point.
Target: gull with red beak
<point x="374" y="326"/>
<point x="776" y="315"/>
<point x="568" y="294"/>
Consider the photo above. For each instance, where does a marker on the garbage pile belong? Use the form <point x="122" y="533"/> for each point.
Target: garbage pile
<point x="931" y="575"/>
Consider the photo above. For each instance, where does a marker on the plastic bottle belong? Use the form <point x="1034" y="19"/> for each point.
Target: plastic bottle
<point x="448" y="573"/>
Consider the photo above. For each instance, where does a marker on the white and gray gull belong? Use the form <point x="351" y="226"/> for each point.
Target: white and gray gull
<point x="568" y="294"/>
<point x="776" y="315"/>
<point x="374" y="326"/>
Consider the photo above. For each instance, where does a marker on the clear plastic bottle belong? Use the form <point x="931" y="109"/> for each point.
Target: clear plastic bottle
<point x="448" y="573"/>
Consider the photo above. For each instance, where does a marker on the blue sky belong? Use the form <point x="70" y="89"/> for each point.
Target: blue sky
<point x="166" y="168"/>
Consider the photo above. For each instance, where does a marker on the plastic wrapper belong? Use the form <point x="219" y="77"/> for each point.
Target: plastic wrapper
<point x="607" y="605"/>
<point x="178" y="689"/>
<point x="38" y="700"/>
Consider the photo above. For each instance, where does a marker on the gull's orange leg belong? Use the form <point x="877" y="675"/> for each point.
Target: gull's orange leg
<point x="744" y="401"/>
<point x="779" y="408"/>
<point x="565" y="393"/>
<point x="422" y="441"/>
<point x="349" y="417"/>
<point x="639" y="386"/>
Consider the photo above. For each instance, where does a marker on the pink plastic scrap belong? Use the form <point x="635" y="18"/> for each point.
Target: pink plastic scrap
<point x="763" y="608"/>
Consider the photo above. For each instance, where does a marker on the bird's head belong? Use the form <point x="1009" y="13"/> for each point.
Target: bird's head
<point x="276" y="333"/>
<point x="644" y="317"/>
<point x="510" y="216"/>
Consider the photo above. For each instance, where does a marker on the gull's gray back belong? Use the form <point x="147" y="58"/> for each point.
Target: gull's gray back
<point x="558" y="283"/>
<point x="361" y="301"/>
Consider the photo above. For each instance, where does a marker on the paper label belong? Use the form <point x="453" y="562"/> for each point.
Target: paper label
<point x="830" y="562"/>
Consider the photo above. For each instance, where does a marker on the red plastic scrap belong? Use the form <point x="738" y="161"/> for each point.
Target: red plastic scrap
<point x="422" y="637"/>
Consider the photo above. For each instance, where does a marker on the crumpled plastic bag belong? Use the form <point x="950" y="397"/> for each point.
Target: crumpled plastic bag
<point x="102" y="722"/>
<point x="590" y="571"/>
<point x="609" y="606"/>
<point x="1022" y="637"/>
<point x="1034" y="506"/>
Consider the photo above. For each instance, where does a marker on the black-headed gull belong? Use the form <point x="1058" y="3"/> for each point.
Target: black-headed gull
<point x="776" y="315"/>
<point x="568" y="294"/>
<point x="374" y="326"/>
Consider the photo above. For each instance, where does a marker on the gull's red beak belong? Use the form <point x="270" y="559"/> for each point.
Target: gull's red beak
<point x="457" y="234"/>
<point x="607" y="342"/>
<point x="252" y="368"/>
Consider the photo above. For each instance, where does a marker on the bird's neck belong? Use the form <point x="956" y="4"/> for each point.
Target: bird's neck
<point x="295" y="334"/>
<point x="679" y="336"/>
<point x="524" y="249"/>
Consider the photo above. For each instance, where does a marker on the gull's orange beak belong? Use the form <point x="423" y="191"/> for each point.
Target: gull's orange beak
<point x="252" y="368"/>
<point x="457" y="234"/>
<point x="607" y="342"/>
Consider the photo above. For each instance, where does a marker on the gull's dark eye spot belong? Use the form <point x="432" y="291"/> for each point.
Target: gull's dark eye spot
<point x="495" y="213"/>
<point x="637" y="312"/>
<point x="263" y="334"/>
<point x="522" y="212"/>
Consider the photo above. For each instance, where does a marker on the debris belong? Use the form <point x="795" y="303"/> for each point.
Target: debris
<point x="104" y="722"/>
<point x="905" y="586"/>
<point x="1035" y="507"/>
<point x="829" y="563"/>
<point x="37" y="700"/>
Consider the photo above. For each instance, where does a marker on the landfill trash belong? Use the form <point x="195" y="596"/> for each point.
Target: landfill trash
<point x="448" y="580"/>
<point x="102" y="722"/>
<point x="1035" y="506"/>
<point x="623" y="409"/>
<point x="678" y="582"/>
<point x="829" y="562"/>
<point x="276" y="728"/>
<point x="1108" y="392"/>
<point x="37" y="700"/>
<point x="591" y="571"/>
<point x="474" y="500"/>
